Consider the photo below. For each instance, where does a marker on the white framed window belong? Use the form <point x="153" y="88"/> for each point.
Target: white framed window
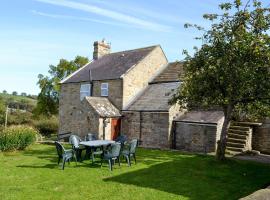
<point x="85" y="90"/>
<point x="104" y="89"/>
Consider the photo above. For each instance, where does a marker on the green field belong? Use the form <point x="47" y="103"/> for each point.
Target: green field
<point x="9" y="97"/>
<point x="34" y="174"/>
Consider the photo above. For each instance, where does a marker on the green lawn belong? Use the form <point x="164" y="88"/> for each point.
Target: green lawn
<point x="34" y="174"/>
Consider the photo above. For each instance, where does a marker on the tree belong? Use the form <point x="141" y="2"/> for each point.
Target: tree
<point x="48" y="98"/>
<point x="14" y="93"/>
<point x="23" y="94"/>
<point x="231" y="69"/>
<point x="4" y="92"/>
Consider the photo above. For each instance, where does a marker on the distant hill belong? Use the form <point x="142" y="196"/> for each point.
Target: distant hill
<point x="19" y="102"/>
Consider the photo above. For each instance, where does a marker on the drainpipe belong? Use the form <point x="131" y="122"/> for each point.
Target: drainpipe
<point x="140" y="135"/>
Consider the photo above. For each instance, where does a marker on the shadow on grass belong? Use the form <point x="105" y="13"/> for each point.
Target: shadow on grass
<point x="199" y="177"/>
<point x="48" y="166"/>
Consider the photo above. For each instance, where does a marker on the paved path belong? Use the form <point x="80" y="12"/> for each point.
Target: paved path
<point x="262" y="158"/>
<point x="263" y="194"/>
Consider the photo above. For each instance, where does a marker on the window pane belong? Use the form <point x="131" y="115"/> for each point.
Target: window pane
<point x="85" y="87"/>
<point x="104" y="92"/>
<point x="85" y="91"/>
<point x="104" y="89"/>
<point x="104" y="85"/>
<point x="84" y="94"/>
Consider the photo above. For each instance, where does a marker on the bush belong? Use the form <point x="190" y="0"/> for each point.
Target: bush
<point x="1" y="128"/>
<point x="46" y="127"/>
<point x="17" y="137"/>
<point x="17" y="118"/>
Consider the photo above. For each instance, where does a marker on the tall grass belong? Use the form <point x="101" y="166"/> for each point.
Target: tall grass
<point x="17" y="137"/>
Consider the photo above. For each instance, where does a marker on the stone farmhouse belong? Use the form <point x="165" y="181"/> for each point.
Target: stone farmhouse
<point x="127" y="93"/>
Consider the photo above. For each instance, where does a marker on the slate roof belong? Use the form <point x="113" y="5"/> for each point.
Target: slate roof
<point x="110" y="66"/>
<point x="201" y="117"/>
<point x="173" y="72"/>
<point x="103" y="106"/>
<point x="155" y="97"/>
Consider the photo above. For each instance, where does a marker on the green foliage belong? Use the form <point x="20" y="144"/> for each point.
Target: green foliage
<point x="1" y="128"/>
<point x="19" y="102"/>
<point x="231" y="69"/>
<point x="2" y="111"/>
<point x="251" y="112"/>
<point x="17" y="138"/>
<point x="49" y="96"/>
<point x="17" y="117"/>
<point x="47" y="126"/>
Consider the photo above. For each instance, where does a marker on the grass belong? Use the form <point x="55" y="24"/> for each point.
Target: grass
<point x="18" y="98"/>
<point x="34" y="174"/>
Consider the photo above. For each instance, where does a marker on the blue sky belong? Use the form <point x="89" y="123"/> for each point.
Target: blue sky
<point x="37" y="33"/>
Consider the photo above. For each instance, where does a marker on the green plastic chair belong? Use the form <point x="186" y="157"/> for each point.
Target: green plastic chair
<point x="75" y="140"/>
<point x="130" y="151"/>
<point x="112" y="155"/>
<point x="65" y="155"/>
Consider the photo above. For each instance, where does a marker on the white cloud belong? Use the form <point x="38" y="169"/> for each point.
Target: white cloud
<point x="57" y="16"/>
<point x="110" y="14"/>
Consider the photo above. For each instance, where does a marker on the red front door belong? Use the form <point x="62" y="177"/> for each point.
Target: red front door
<point x="116" y="128"/>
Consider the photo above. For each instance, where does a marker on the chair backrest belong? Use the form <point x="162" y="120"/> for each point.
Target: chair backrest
<point x="133" y="145"/>
<point x="90" y="137"/>
<point x="122" y="139"/>
<point x="75" y="141"/>
<point x="115" y="149"/>
<point x="59" y="148"/>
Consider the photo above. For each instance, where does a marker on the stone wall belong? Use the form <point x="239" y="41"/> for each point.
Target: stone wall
<point x="195" y="137"/>
<point x="137" y="78"/>
<point x="69" y="102"/>
<point x="74" y="116"/>
<point x="115" y="91"/>
<point x="261" y="137"/>
<point x="174" y="113"/>
<point x="154" y="128"/>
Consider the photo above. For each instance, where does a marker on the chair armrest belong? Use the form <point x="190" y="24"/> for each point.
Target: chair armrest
<point x="68" y="151"/>
<point x="126" y="146"/>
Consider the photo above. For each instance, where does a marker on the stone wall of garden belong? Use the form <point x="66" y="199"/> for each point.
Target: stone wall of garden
<point x="261" y="137"/>
<point x="152" y="128"/>
<point x="195" y="137"/>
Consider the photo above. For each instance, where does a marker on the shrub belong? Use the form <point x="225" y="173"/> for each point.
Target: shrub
<point x="1" y="128"/>
<point x="17" y="117"/>
<point x="17" y="137"/>
<point x="47" y="127"/>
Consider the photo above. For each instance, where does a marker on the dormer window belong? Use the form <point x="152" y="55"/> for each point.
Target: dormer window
<point x="104" y="89"/>
<point x="85" y="90"/>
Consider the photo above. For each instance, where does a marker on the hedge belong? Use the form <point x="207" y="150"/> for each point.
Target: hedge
<point x="17" y="137"/>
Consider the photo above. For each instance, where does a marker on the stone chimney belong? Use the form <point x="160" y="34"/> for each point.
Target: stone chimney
<point x="100" y="49"/>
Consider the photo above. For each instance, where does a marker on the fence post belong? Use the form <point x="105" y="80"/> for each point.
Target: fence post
<point x="6" y="118"/>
